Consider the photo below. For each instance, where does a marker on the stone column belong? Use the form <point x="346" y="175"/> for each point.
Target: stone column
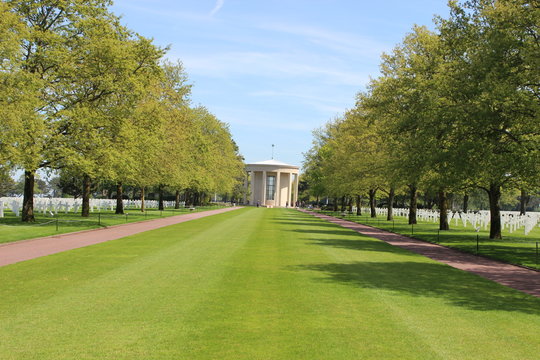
<point x="289" y="190"/>
<point x="277" y="200"/>
<point x="296" y="188"/>
<point x="264" y="189"/>
<point x="252" y="197"/>
<point x="246" y="188"/>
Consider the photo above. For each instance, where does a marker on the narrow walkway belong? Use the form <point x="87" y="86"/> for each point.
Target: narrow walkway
<point x="515" y="277"/>
<point x="11" y="253"/>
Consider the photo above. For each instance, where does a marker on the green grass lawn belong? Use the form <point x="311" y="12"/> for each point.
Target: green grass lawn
<point x="13" y="229"/>
<point x="257" y="284"/>
<point x="515" y="248"/>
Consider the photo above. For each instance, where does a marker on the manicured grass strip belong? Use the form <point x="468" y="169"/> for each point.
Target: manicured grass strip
<point x="13" y="229"/>
<point x="257" y="284"/>
<point x="514" y="248"/>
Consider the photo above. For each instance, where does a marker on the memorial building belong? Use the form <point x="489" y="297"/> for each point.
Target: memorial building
<point x="272" y="183"/>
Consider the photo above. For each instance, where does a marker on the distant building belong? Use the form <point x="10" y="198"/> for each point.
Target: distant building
<point x="272" y="183"/>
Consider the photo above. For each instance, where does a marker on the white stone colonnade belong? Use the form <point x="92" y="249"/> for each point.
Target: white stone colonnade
<point x="272" y="183"/>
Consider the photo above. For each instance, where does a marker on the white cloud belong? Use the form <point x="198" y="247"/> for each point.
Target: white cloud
<point x="257" y="119"/>
<point x="338" y="41"/>
<point x="166" y="13"/>
<point x="328" y="103"/>
<point x="326" y="69"/>
<point x="219" y="5"/>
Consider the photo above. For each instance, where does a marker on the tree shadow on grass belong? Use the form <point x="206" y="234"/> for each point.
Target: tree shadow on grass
<point x="428" y="280"/>
<point x="302" y="222"/>
<point x="360" y="244"/>
<point x="337" y="231"/>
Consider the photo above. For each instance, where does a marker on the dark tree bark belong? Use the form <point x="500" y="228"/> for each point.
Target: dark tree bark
<point x="119" y="202"/>
<point x="413" y="205"/>
<point x="372" y="193"/>
<point x="495" y="227"/>
<point x="160" y="199"/>
<point x="465" y="203"/>
<point x="523" y="200"/>
<point x="87" y="182"/>
<point x="27" y="214"/>
<point x="177" y="200"/>
<point x="142" y="199"/>
<point x="391" y="195"/>
<point x="443" y="210"/>
<point x="349" y="200"/>
<point x="358" y="205"/>
<point x="343" y="203"/>
<point x="317" y="202"/>
<point x="203" y="199"/>
<point x="336" y="204"/>
<point x="429" y="204"/>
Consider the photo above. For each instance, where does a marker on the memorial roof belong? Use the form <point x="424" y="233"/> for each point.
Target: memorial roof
<point x="273" y="162"/>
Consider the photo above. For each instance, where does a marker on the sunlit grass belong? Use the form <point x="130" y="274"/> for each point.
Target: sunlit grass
<point x="257" y="284"/>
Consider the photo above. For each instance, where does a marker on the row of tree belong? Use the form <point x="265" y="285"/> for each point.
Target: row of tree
<point x="82" y="93"/>
<point x="454" y="109"/>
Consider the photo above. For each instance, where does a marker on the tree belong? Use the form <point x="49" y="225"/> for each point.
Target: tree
<point x="44" y="55"/>
<point x="402" y="100"/>
<point x="492" y="82"/>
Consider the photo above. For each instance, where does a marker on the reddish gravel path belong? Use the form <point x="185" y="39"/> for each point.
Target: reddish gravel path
<point x="515" y="277"/>
<point x="29" y="249"/>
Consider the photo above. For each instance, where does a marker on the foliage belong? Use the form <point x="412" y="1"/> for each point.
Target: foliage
<point x="454" y="109"/>
<point x="83" y="93"/>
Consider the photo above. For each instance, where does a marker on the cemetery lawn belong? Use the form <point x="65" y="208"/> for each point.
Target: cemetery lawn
<point x="13" y="229"/>
<point x="514" y="248"/>
<point x="257" y="284"/>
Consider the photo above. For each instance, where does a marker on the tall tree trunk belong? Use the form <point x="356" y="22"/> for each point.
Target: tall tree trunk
<point x="349" y="200"/>
<point x="343" y="204"/>
<point x="85" y="212"/>
<point x="358" y="205"/>
<point x="443" y="210"/>
<point x="27" y="214"/>
<point x="160" y="199"/>
<point x="317" y="202"/>
<point x="413" y="205"/>
<point x="335" y="204"/>
<point x="523" y="200"/>
<point x="142" y="199"/>
<point x="372" y="193"/>
<point x="465" y="202"/>
<point x="495" y="228"/>
<point x="119" y="202"/>
<point x="391" y="195"/>
<point x="177" y="200"/>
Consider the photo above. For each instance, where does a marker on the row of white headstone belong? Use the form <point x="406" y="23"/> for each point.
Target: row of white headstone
<point x="53" y="206"/>
<point x="510" y="220"/>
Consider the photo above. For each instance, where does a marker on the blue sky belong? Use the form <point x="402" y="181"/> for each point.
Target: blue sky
<point x="275" y="70"/>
